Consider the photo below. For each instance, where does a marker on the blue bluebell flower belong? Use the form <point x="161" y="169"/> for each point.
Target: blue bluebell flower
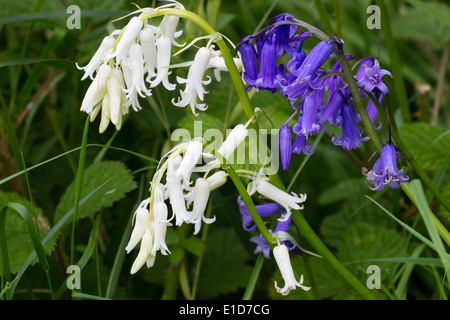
<point x="385" y="171"/>
<point x="314" y="60"/>
<point x="372" y="111"/>
<point x="285" y="141"/>
<point x="351" y="134"/>
<point x="264" y="210"/>
<point x="333" y="107"/>
<point x="300" y="145"/>
<point x="310" y="113"/>
<point x="250" y="63"/>
<point x="371" y="80"/>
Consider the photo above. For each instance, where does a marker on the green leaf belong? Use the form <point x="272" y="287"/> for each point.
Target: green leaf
<point x="96" y="174"/>
<point x="354" y="210"/>
<point x="17" y="234"/>
<point x="429" y="144"/>
<point x="343" y="190"/>
<point x="224" y="267"/>
<point x="416" y="24"/>
<point x="363" y="242"/>
<point x="194" y="245"/>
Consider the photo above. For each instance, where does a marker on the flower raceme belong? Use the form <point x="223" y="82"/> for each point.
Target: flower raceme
<point x="187" y="196"/>
<point x="140" y="54"/>
<point x="317" y="95"/>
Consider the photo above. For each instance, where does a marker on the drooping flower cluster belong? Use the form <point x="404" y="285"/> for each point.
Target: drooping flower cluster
<point x="187" y="195"/>
<point x="132" y="61"/>
<point x="151" y="218"/>
<point x="317" y="95"/>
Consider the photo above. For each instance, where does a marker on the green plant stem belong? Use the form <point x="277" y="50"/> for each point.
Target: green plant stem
<point x="254" y="278"/>
<point x="324" y="16"/>
<point x="78" y="185"/>
<point x="208" y="214"/>
<point x="247" y="201"/>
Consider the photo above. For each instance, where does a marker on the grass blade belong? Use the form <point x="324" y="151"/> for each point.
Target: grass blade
<point x="38" y="247"/>
<point x="427" y="216"/>
<point x="404" y="225"/>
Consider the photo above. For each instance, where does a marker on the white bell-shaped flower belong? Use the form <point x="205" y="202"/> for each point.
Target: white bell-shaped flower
<point x="98" y="58"/>
<point x="233" y="140"/>
<point x="114" y="86"/>
<point x="147" y="39"/>
<point x="164" y="49"/>
<point x="161" y="223"/>
<point x="190" y="159"/>
<point x="136" y="59"/>
<point x="97" y="89"/>
<point x="217" y="179"/>
<point x="281" y="255"/>
<point x="142" y="217"/>
<point x="286" y="200"/>
<point x="201" y="197"/>
<point x="128" y="37"/>
<point x="144" y="251"/>
<point x="132" y="97"/>
<point x="176" y="196"/>
<point x="194" y="82"/>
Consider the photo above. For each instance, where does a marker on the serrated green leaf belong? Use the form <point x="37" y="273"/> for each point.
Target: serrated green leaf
<point x="96" y="174"/>
<point x="224" y="267"/>
<point x="17" y="235"/>
<point x="429" y="144"/>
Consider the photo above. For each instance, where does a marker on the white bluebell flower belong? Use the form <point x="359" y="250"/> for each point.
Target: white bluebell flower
<point x="194" y="82"/>
<point x="98" y="58"/>
<point x="281" y="255"/>
<point x="202" y="190"/>
<point x="284" y="199"/>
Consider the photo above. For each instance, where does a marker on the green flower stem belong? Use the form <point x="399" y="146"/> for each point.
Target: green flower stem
<point x="247" y="200"/>
<point x="298" y="219"/>
<point x="78" y="185"/>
